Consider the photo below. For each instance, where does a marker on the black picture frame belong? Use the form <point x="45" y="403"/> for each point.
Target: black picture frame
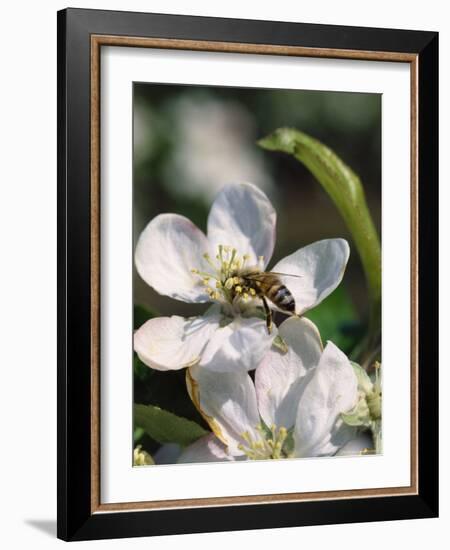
<point x="76" y="519"/>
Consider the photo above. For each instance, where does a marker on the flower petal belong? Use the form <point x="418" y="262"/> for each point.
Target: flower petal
<point x="169" y="453"/>
<point x="329" y="390"/>
<point x="243" y="217"/>
<point x="172" y="343"/>
<point x="278" y="377"/>
<point x="319" y="266"/>
<point x="206" y="449"/>
<point x="167" y="250"/>
<point x="227" y="401"/>
<point x="357" y="445"/>
<point x="239" y="346"/>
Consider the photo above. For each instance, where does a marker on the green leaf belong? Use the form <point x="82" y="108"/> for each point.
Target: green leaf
<point x="345" y="189"/>
<point x="167" y="390"/>
<point x="166" y="427"/>
<point x="337" y="320"/>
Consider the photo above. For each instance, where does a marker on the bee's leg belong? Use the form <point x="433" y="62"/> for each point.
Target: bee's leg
<point x="268" y="313"/>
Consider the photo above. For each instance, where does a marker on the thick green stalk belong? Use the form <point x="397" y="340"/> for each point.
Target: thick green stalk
<point x="345" y="189"/>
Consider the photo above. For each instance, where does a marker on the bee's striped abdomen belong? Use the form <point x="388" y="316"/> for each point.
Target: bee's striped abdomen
<point x="282" y="297"/>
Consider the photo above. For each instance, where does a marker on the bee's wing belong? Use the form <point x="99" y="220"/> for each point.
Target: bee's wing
<point x="263" y="277"/>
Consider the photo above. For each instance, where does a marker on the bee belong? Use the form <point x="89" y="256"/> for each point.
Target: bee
<point x="265" y="285"/>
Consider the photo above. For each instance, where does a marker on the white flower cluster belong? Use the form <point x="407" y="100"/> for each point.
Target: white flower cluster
<point x="293" y="404"/>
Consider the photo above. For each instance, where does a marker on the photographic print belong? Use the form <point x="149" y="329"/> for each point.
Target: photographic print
<point x="257" y="274"/>
<point x="238" y="346"/>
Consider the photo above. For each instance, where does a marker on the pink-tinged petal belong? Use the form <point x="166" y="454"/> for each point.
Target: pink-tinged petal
<point x="279" y="377"/>
<point x="238" y="346"/>
<point x="227" y="401"/>
<point x="243" y="217"/>
<point x="206" y="449"/>
<point x="318" y="267"/>
<point x="173" y="343"/>
<point x="329" y="390"/>
<point x="168" y="249"/>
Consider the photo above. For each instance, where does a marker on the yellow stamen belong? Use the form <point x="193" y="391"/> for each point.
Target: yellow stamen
<point x="229" y="283"/>
<point x="233" y="255"/>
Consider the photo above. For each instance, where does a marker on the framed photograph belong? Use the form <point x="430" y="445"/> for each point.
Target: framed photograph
<point x="248" y="301"/>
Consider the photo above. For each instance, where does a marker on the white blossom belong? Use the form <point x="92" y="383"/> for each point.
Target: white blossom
<point x="178" y="260"/>
<point x="292" y="409"/>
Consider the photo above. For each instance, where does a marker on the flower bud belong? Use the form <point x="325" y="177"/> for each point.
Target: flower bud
<point x="141" y="457"/>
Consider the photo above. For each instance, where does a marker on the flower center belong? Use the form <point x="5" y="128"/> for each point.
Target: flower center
<point x="272" y="443"/>
<point x="222" y="281"/>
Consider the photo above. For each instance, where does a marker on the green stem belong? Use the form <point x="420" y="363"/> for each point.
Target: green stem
<point x="346" y="191"/>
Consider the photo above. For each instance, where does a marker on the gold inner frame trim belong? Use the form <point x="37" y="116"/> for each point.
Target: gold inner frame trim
<point x="97" y="41"/>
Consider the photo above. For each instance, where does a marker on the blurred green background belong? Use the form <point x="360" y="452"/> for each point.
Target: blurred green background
<point x="189" y="141"/>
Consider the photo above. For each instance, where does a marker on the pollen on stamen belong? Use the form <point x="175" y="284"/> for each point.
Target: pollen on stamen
<point x="282" y="432"/>
<point x="229" y="283"/>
